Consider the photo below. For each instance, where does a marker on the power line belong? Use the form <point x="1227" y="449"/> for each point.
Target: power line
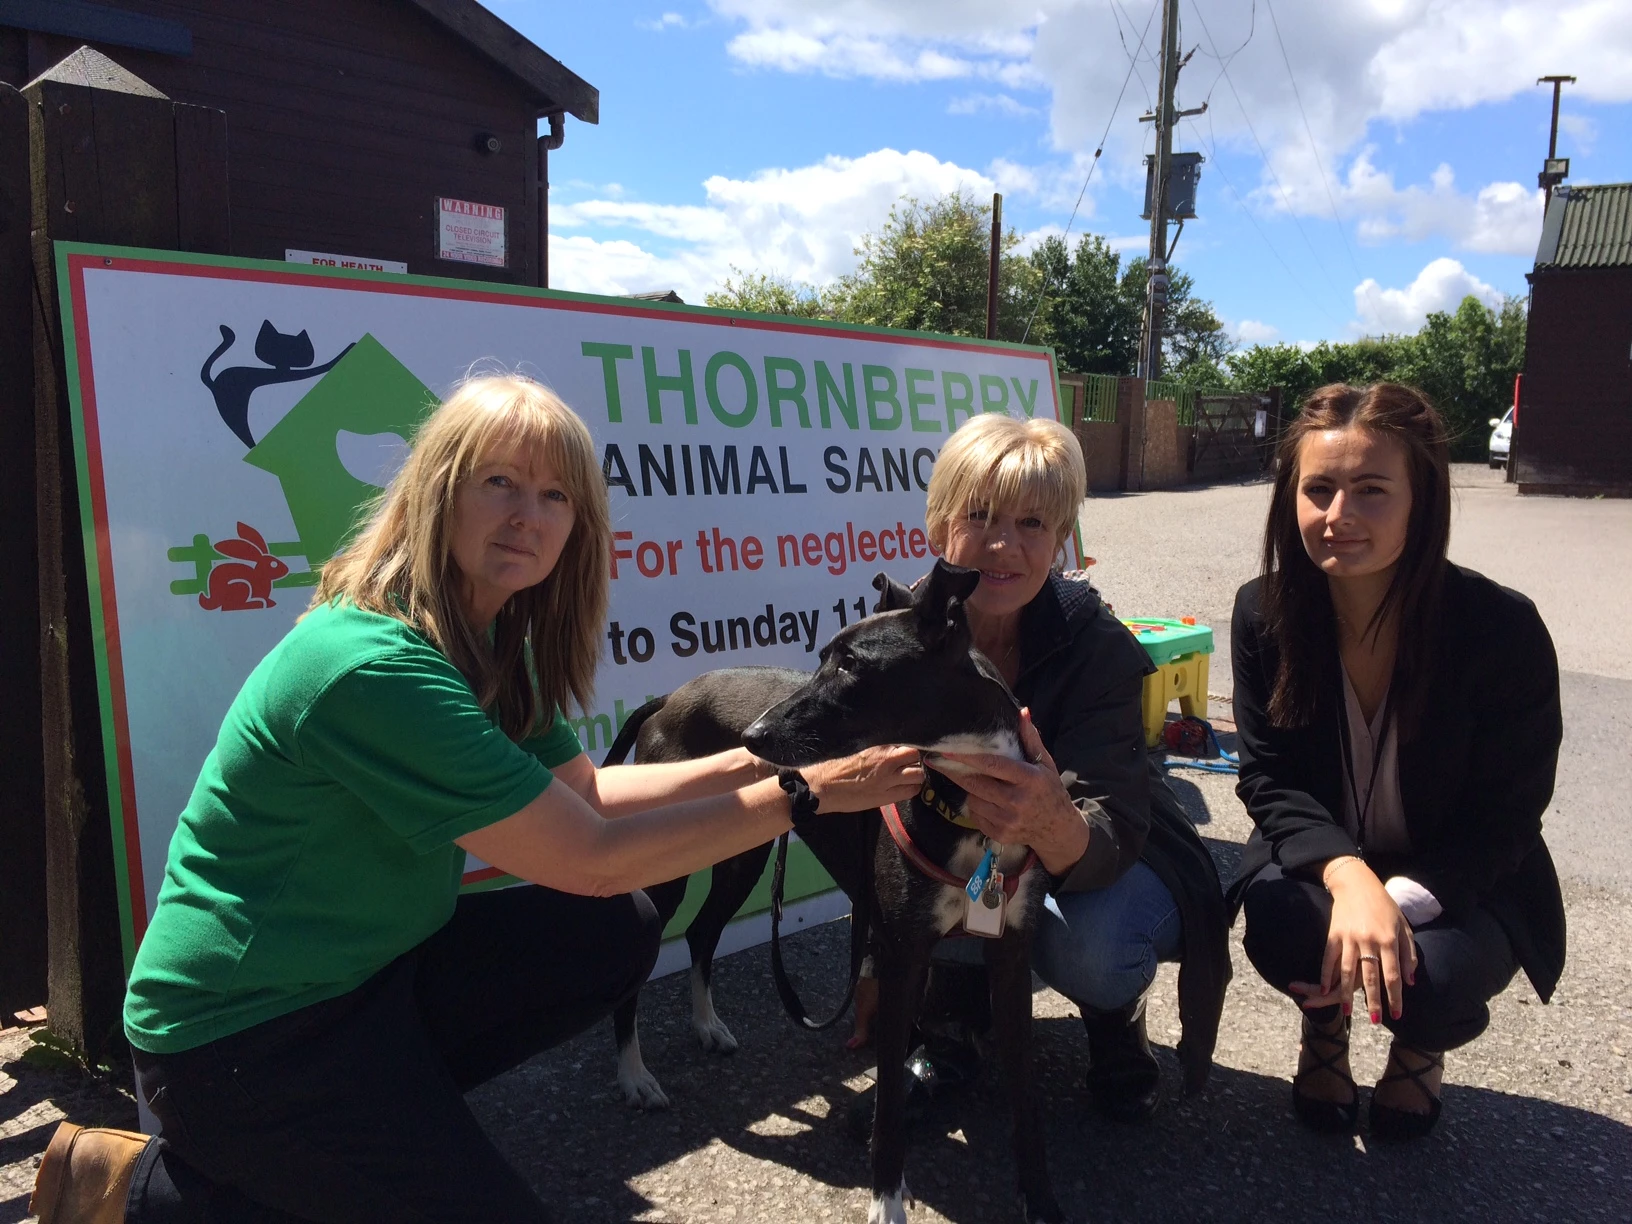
<point x="1319" y="161"/>
<point x="1263" y="153"/>
<point x="1118" y="11"/>
<point x="1118" y="7"/>
<point x="1218" y="165"/>
<point x="1252" y="28"/>
<point x="1092" y="165"/>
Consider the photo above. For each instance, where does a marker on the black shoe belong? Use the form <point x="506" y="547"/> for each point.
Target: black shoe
<point x="1124" y="1078"/>
<point x="1388" y="1122"/>
<point x="1328" y="1117"/>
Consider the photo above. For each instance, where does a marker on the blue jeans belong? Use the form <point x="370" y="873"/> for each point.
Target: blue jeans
<point x="1099" y="949"/>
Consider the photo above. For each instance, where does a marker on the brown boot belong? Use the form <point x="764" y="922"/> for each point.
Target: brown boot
<point x="85" y="1174"/>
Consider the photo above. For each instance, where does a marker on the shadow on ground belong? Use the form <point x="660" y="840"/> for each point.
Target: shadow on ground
<point x="32" y="1104"/>
<point x="1234" y="1152"/>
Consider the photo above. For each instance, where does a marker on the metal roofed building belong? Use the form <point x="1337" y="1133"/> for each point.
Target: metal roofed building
<point x="1574" y="425"/>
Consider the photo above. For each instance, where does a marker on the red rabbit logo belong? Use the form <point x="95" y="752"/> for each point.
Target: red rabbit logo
<point x="246" y="582"/>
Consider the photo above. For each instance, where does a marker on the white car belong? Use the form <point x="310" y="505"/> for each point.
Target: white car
<point x="1501" y="439"/>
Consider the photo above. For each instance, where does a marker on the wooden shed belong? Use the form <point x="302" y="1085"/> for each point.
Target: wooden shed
<point x="346" y="120"/>
<point x="1574" y="424"/>
<point x="400" y="134"/>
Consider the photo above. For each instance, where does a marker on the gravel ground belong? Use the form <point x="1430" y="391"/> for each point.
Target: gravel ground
<point x="1538" y="1113"/>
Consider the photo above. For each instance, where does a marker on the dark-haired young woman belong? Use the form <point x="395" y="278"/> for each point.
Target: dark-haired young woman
<point x="1399" y="726"/>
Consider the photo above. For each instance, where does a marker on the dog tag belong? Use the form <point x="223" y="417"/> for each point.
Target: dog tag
<point x="983" y="874"/>
<point x="986" y="917"/>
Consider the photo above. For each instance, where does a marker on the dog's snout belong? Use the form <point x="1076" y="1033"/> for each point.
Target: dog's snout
<point x="756" y="736"/>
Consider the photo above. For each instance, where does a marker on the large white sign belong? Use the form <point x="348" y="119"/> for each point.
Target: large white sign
<point x="231" y="416"/>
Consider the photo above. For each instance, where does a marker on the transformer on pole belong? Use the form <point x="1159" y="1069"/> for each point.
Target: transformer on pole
<point x="1170" y="192"/>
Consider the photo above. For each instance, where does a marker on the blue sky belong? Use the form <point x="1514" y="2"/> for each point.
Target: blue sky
<point x="768" y="135"/>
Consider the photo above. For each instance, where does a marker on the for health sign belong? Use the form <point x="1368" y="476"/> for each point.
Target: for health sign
<point x="231" y="417"/>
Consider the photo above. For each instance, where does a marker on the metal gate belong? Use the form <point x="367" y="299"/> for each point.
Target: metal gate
<point x="1235" y="435"/>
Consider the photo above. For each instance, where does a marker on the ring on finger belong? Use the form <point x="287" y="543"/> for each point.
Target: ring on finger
<point x="1369" y="957"/>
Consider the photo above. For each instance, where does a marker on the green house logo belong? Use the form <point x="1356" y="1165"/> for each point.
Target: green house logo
<point x="367" y="394"/>
<point x="332" y="452"/>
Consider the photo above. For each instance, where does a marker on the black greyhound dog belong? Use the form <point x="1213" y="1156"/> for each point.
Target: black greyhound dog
<point x="906" y="675"/>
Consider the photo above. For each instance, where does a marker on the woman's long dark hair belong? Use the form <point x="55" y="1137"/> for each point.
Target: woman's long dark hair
<point x="1296" y="599"/>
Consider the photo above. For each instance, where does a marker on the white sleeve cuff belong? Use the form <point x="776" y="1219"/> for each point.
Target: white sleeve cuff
<point x="1415" y="902"/>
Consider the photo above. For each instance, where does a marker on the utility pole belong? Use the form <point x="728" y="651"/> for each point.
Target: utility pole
<point x="1165" y="117"/>
<point x="1556" y="169"/>
<point x="992" y="268"/>
<point x="1150" y="350"/>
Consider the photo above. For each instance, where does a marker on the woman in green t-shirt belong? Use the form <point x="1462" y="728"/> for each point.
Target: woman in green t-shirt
<point x="313" y="996"/>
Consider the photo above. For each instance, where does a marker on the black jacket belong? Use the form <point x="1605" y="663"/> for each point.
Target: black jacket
<point x="1081" y="672"/>
<point x="1474" y="779"/>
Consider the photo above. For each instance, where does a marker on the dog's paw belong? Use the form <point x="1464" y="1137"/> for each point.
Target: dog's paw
<point x="642" y="1090"/>
<point x="640" y="1087"/>
<point x="705" y="1021"/>
<point x="891" y="1208"/>
<point x="713" y="1034"/>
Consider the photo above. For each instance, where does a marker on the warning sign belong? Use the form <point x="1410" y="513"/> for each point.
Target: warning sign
<point x="470" y="232"/>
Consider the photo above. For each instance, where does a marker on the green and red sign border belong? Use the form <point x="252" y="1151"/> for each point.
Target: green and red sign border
<point x="74" y="259"/>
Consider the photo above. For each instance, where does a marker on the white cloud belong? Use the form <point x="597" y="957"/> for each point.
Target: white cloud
<point x="585" y="265"/>
<point x="892" y="40"/>
<point x="1440" y="286"/>
<point x="999" y="104"/>
<point x="1251" y="331"/>
<point x="802" y="223"/>
<point x="1580" y="132"/>
<point x="1013" y="178"/>
<point x="846" y="56"/>
<point x="668" y="21"/>
<point x="1501" y="218"/>
<point x="1354" y="64"/>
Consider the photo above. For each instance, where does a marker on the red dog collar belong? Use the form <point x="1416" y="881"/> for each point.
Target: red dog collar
<point x="899" y="835"/>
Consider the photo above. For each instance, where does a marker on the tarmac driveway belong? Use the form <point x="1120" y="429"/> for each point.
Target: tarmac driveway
<point x="1538" y="1112"/>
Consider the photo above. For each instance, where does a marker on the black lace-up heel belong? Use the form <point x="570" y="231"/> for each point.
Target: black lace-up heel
<point x="1327" y="1049"/>
<point x="1389" y="1122"/>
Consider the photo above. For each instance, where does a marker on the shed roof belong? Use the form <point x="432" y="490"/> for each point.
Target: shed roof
<point x="524" y="58"/>
<point x="555" y="85"/>
<point x="1588" y="227"/>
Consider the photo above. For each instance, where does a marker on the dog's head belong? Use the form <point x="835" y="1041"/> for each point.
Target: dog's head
<point x="909" y="674"/>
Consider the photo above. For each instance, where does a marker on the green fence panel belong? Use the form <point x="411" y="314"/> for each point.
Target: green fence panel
<point x="1099" y="397"/>
<point x="1184" y="397"/>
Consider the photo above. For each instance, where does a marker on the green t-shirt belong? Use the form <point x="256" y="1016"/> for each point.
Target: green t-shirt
<point x="318" y="844"/>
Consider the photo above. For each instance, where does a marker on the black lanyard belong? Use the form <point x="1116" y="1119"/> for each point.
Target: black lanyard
<point x="1376" y="760"/>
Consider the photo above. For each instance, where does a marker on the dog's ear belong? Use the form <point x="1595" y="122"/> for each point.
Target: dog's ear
<point x="939" y="600"/>
<point x="892" y="595"/>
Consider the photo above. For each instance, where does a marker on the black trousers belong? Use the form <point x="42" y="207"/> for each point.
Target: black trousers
<point x="1461" y="965"/>
<point x="352" y="1110"/>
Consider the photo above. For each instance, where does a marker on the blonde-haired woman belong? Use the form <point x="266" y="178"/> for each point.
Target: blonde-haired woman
<point x="1132" y="883"/>
<point x="313" y="997"/>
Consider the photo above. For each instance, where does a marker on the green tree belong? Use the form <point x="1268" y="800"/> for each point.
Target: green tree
<point x="1094" y="314"/>
<point x="1464" y="361"/>
<point x="764" y="293"/>
<point x="926" y="270"/>
<point x="1196" y="342"/>
<point x="1263" y="366"/>
<point x="1091" y="321"/>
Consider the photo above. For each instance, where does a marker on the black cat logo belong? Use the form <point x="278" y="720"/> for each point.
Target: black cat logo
<point x="288" y="359"/>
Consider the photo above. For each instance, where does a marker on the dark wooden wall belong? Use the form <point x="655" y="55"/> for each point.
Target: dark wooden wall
<point x="347" y="119"/>
<point x="1575" y="411"/>
<point x="22" y="831"/>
